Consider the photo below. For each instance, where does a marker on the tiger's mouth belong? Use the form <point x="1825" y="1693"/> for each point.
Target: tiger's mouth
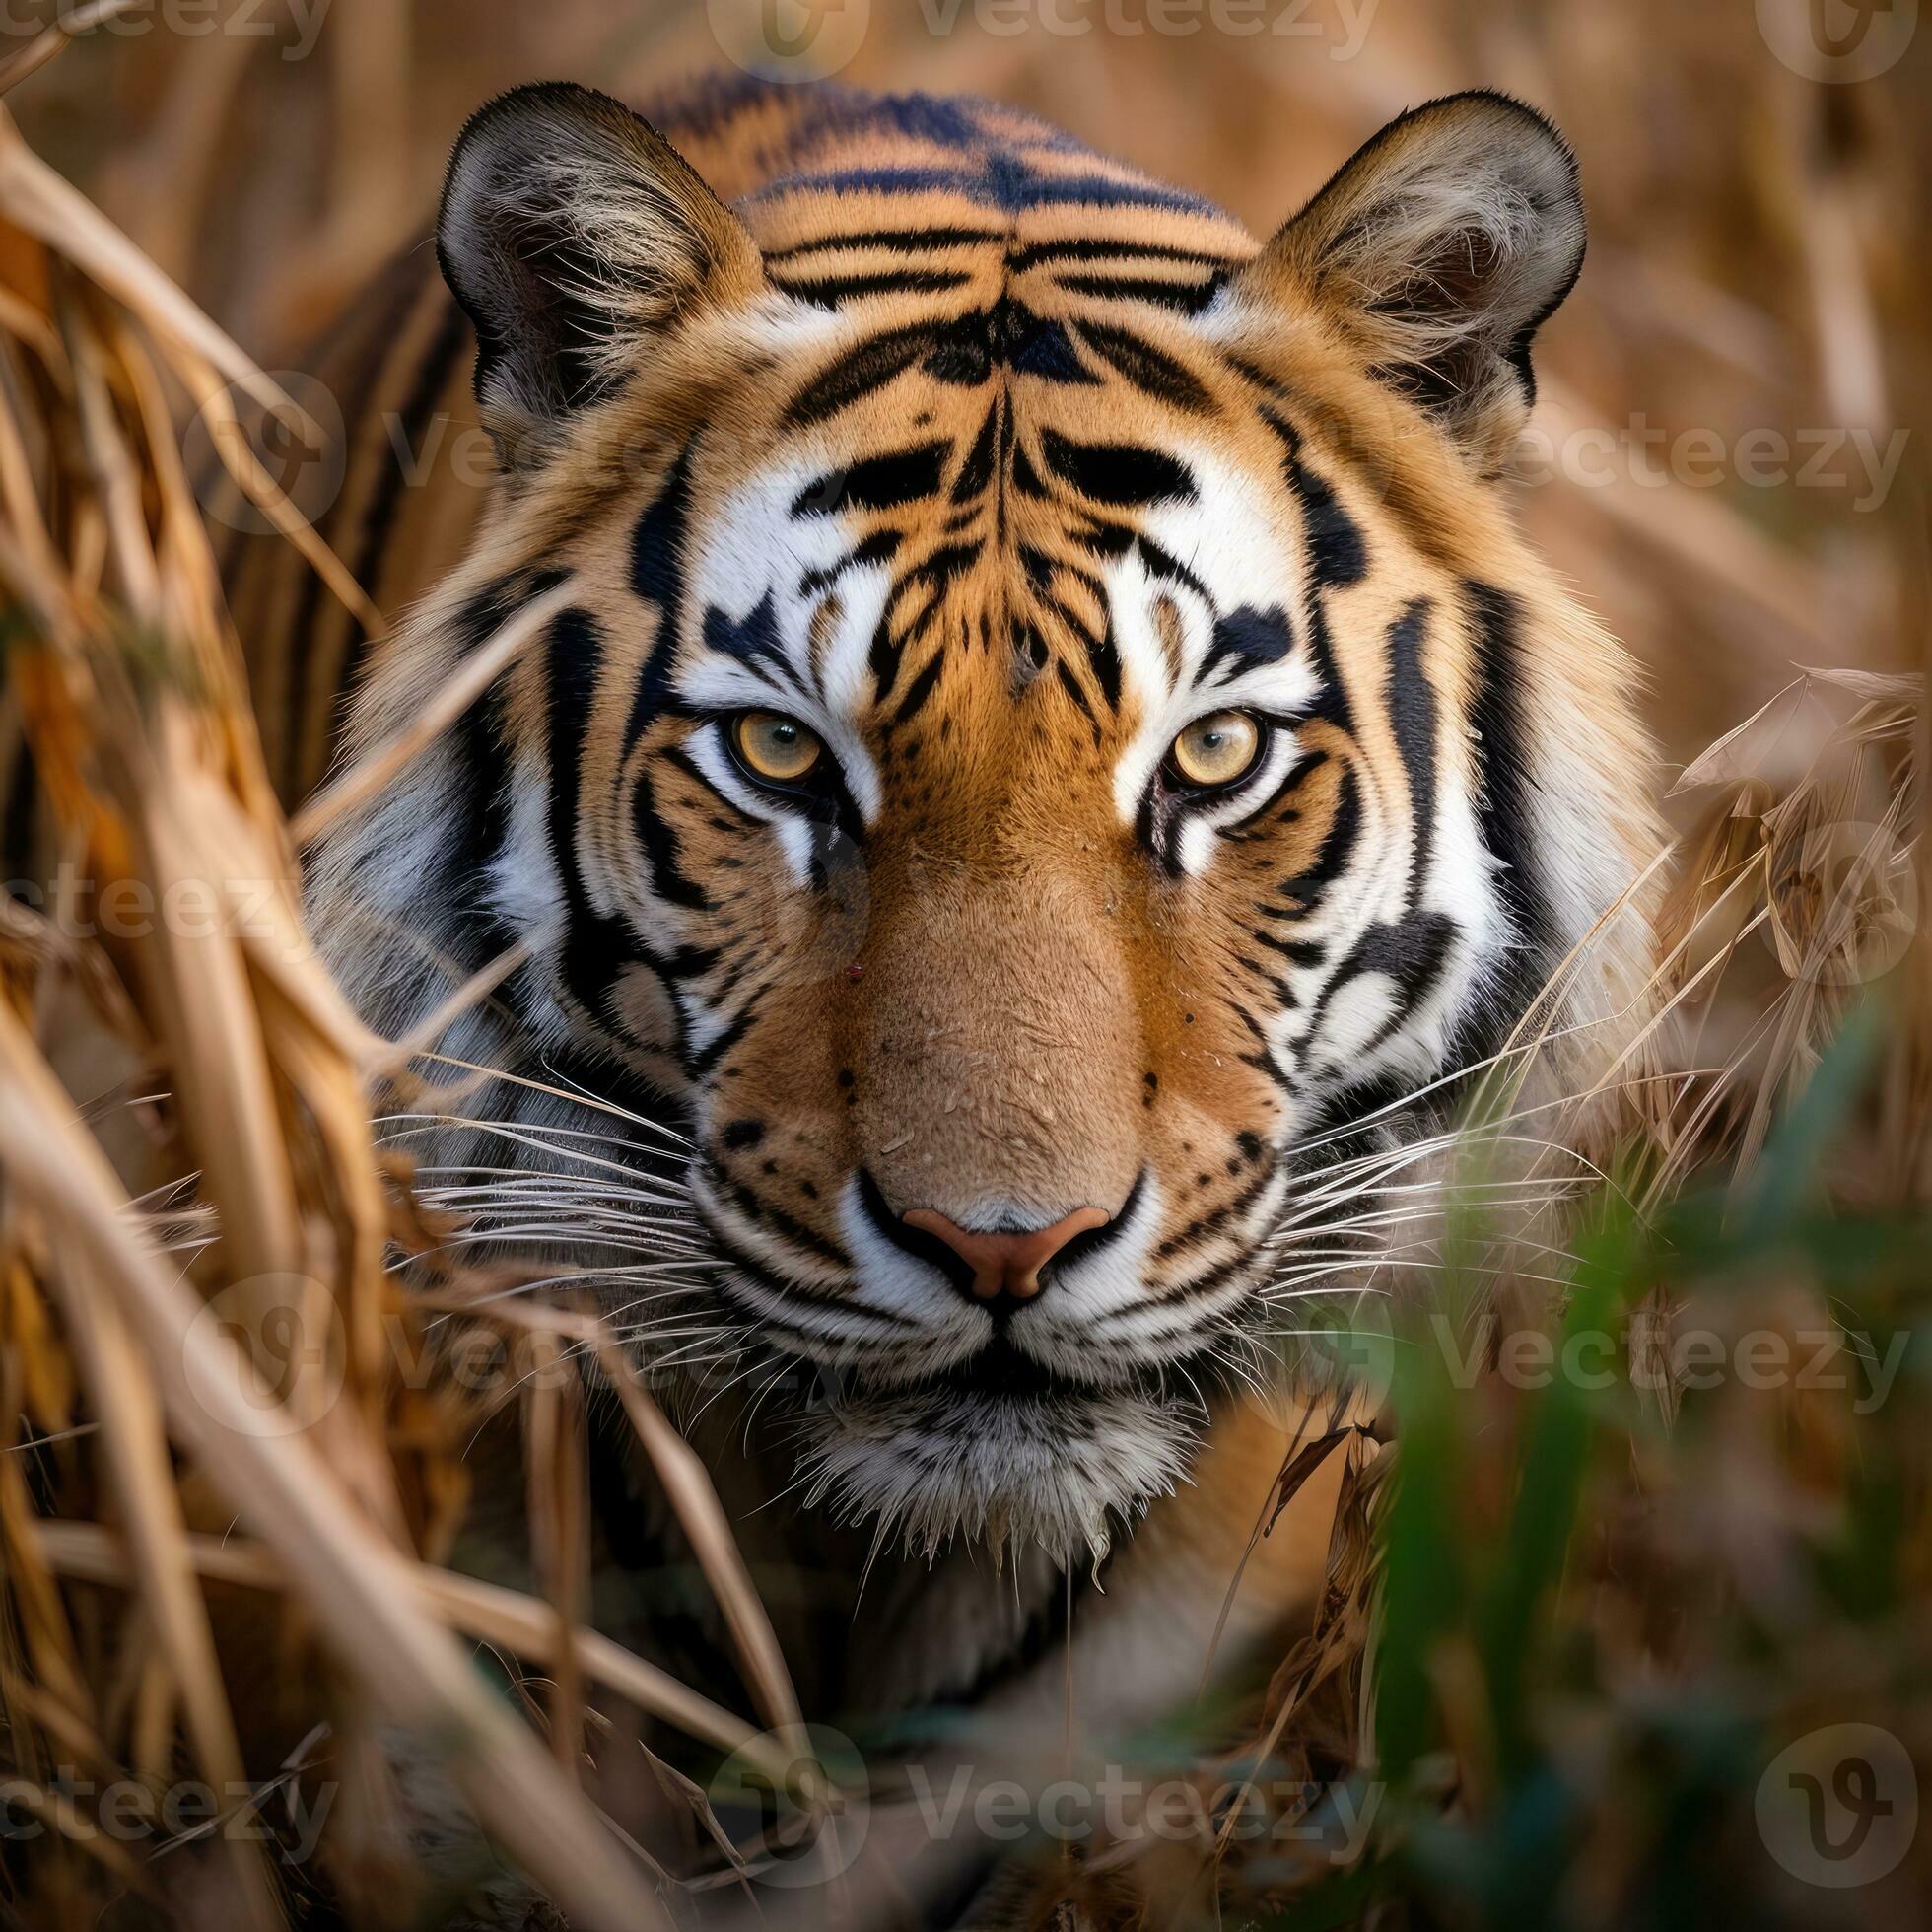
<point x="936" y="1417"/>
<point x="1000" y="1371"/>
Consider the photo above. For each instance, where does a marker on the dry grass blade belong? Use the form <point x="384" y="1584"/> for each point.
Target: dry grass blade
<point x="198" y="977"/>
<point x="231" y="442"/>
<point x="137" y="1456"/>
<point x="695" y="1502"/>
<point x="117" y="484"/>
<point x="390" y="1056"/>
<point x="48" y="208"/>
<point x="355" y="1585"/>
<point x="487" y="1612"/>
<point x="56" y="38"/>
<point x="557" y="1482"/>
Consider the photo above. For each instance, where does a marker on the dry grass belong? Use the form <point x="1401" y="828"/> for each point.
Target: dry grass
<point x="162" y="1533"/>
<point x="164" y="1424"/>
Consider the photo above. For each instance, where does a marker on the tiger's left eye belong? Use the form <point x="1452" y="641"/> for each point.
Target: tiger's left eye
<point x="1216" y="750"/>
<point x="775" y="747"/>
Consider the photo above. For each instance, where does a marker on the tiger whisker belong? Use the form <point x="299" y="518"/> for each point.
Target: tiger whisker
<point x="548" y="1190"/>
<point x="521" y="1133"/>
<point x="578" y="1096"/>
<point x="764" y="1389"/>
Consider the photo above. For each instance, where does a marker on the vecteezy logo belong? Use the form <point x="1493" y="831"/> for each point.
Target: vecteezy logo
<point x="800" y="1826"/>
<point x="1839" y="1807"/>
<point x="1341" y="1340"/>
<point x="789" y="39"/>
<point x="267" y="1355"/>
<point x="1844" y="903"/>
<point x="1826" y="35"/>
<point x="294" y="449"/>
<point x="1838" y="40"/>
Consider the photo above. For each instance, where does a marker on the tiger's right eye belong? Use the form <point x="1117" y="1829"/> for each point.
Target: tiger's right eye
<point x="1215" y="751"/>
<point x="776" y="748"/>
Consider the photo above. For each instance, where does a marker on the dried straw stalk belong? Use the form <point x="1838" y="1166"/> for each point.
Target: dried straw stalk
<point x="128" y="691"/>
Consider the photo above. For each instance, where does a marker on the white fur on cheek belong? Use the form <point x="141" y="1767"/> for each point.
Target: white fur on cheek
<point x="526" y="890"/>
<point x="755" y="550"/>
<point x="1243" y="560"/>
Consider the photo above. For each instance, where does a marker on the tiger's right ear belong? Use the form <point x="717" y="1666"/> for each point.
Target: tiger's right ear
<point x="1441" y="248"/>
<point x="569" y="231"/>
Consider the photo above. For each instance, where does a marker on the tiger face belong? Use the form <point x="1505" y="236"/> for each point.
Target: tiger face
<point x="1039" y="720"/>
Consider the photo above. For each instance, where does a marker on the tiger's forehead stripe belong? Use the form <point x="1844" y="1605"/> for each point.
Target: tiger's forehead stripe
<point x="917" y="521"/>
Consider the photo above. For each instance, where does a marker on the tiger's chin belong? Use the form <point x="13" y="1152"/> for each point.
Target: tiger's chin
<point x="1062" y="1467"/>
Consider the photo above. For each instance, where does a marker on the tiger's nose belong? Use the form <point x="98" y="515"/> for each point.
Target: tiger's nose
<point x="1003" y="1263"/>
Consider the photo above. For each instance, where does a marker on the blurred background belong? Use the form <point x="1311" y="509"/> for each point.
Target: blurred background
<point x="1723" y="461"/>
<point x="1611" y="1620"/>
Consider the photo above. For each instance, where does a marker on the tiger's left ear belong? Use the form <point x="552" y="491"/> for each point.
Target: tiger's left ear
<point x="1441" y="247"/>
<point x="570" y="231"/>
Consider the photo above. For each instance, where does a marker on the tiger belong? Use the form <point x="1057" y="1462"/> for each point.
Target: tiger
<point x="1043" y="728"/>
